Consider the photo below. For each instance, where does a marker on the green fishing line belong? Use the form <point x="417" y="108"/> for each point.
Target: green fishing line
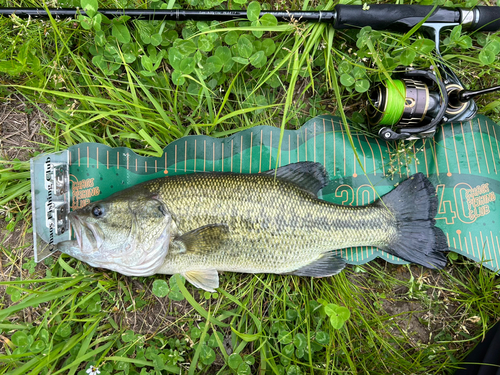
<point x="395" y="102"/>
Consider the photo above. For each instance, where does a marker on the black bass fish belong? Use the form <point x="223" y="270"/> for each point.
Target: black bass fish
<point x="273" y="222"/>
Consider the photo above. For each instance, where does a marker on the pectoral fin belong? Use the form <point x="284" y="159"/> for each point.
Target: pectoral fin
<point x="207" y="279"/>
<point x="201" y="239"/>
<point x="328" y="265"/>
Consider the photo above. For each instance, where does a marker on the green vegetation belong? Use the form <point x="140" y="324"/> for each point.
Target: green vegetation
<point x="144" y="84"/>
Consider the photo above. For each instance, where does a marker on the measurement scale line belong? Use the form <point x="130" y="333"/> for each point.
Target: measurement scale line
<point x="270" y="149"/>
<point x="324" y="144"/>
<point x="381" y="157"/>
<point x="494" y="250"/>
<point x="496" y="141"/>
<point x="175" y="159"/>
<point x="455" y="144"/>
<point x="415" y="153"/>
<point x="491" y="147"/>
<point x="185" y="156"/>
<point x="475" y="148"/>
<point x="305" y="143"/>
<point x="251" y="148"/>
<point x="425" y="157"/>
<point x="222" y="156"/>
<point x="446" y="155"/>
<point x="314" y="143"/>
<point x="373" y="156"/>
<point x="260" y="154"/>
<point x="465" y="146"/>
<point x="484" y="149"/>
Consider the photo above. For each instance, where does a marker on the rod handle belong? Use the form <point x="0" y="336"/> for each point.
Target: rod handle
<point x="488" y="18"/>
<point x="392" y="17"/>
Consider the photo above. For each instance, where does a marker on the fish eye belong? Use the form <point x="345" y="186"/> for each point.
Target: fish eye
<point x="97" y="211"/>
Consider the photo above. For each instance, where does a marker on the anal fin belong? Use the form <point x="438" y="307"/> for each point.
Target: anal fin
<point x="207" y="279"/>
<point x="328" y="265"/>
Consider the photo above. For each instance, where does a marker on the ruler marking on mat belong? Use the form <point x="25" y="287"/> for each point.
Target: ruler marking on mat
<point x="251" y="147"/>
<point x="79" y="156"/>
<point x="491" y="147"/>
<point x="465" y="146"/>
<point x="204" y="155"/>
<point x="446" y="155"/>
<point x="241" y="154"/>
<point x="175" y="159"/>
<point x="260" y="153"/>
<point x="222" y="148"/>
<point x="381" y="157"/>
<point x="107" y="159"/>
<point x="324" y="143"/>
<point x="136" y="164"/>
<point x="456" y="152"/>
<point x="496" y="141"/>
<point x="270" y="148"/>
<point x="415" y="153"/>
<point x="314" y="142"/>
<point x="475" y="148"/>
<point x="185" y="156"/>
<point x="213" y="157"/>
<point x="195" y="155"/>
<point x="232" y="145"/>
<point x="484" y="149"/>
<point x="145" y="166"/>
<point x="373" y="156"/>
<point x="494" y="250"/>
<point x="425" y="157"/>
<point x="305" y="143"/>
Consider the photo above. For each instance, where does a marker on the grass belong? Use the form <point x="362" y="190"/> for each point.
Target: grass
<point x="124" y="85"/>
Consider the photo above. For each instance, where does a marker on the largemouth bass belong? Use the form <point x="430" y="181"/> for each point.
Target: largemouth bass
<point x="273" y="222"/>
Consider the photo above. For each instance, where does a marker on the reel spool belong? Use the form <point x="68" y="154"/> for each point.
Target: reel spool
<point x="416" y="102"/>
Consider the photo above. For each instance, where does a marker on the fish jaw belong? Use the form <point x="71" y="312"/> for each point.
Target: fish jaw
<point x="130" y="258"/>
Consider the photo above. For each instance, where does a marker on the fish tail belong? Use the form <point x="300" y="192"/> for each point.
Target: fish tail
<point x="414" y="205"/>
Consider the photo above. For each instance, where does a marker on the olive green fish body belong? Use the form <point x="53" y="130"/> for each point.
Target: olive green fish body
<point x="271" y="222"/>
<point x="272" y="225"/>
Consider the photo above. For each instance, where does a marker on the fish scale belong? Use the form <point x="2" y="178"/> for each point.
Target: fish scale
<point x="274" y="225"/>
<point x="272" y="222"/>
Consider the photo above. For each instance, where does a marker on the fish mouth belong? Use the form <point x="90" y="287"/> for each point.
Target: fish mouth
<point x="87" y="236"/>
<point x="77" y="227"/>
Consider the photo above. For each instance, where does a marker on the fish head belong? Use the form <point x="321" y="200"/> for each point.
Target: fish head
<point x="124" y="233"/>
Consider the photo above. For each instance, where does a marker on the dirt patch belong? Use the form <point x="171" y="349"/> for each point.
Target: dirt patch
<point x="20" y="129"/>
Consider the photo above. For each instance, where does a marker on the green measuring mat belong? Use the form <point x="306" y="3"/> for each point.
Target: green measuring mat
<point x="462" y="161"/>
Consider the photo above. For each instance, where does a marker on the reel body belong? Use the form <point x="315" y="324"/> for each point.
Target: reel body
<point x="415" y="102"/>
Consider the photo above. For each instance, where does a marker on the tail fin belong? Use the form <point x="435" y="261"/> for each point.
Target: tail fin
<point x="414" y="205"/>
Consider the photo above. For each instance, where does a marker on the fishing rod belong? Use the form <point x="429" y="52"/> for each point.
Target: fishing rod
<point x="409" y="106"/>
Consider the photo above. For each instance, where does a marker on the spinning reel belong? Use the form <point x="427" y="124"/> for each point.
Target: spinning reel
<point x="415" y="102"/>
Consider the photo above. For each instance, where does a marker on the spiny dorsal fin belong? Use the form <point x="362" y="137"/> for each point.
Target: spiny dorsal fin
<point x="328" y="265"/>
<point x="207" y="279"/>
<point x="201" y="239"/>
<point x="308" y="175"/>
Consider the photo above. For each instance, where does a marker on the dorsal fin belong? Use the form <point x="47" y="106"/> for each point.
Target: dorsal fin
<point x="308" y="175"/>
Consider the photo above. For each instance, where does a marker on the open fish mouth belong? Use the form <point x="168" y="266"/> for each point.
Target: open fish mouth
<point x="93" y="239"/>
<point x="76" y="226"/>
